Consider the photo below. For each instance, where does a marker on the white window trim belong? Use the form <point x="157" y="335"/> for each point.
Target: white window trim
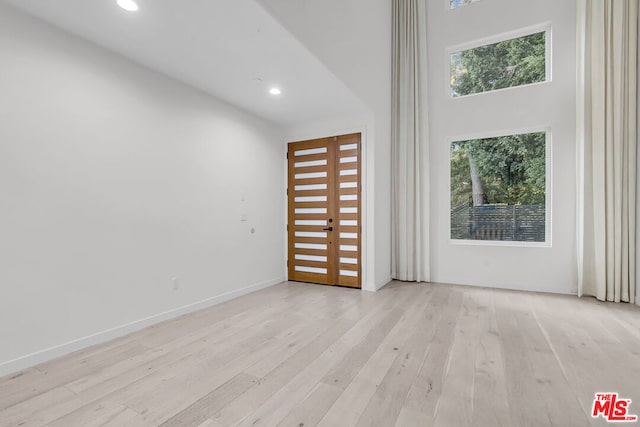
<point x="521" y="32"/>
<point x="548" y="187"/>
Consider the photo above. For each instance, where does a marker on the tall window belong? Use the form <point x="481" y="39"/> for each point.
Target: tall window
<point x="499" y="184"/>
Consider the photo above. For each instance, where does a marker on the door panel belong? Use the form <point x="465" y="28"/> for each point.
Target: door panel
<point x="310" y="190"/>
<point x="324" y="211"/>
<point x="349" y="210"/>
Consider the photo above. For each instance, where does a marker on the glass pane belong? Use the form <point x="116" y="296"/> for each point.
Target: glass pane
<point x="310" y="269"/>
<point x="509" y="63"/>
<point x="311" y="258"/>
<point x="311" y="151"/>
<point x="304" y="199"/>
<point x="454" y="4"/>
<point x="349" y="273"/>
<point x="310" y="246"/>
<point x="498" y="188"/>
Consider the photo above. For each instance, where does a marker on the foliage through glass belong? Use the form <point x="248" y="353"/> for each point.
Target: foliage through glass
<point x="509" y="63"/>
<point x="498" y="188"/>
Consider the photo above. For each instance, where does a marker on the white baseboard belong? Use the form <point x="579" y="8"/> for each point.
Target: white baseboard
<point x="382" y="283"/>
<point x="513" y="287"/>
<point x="45" y="355"/>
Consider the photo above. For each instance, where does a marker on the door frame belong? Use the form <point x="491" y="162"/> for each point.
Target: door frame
<point x="366" y="180"/>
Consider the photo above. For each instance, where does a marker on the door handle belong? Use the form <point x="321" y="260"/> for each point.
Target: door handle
<point x="328" y="229"/>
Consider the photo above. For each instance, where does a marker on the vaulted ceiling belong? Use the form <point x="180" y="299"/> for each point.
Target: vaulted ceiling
<point x="231" y="49"/>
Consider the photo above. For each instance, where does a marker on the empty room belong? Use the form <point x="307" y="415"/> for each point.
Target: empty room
<point x="330" y="213"/>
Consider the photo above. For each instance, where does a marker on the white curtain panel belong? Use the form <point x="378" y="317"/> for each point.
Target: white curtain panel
<point x="606" y="119"/>
<point x="410" y="145"/>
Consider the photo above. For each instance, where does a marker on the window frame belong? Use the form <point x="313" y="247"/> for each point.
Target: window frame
<point x="449" y="8"/>
<point x="497" y="38"/>
<point x="548" y="187"/>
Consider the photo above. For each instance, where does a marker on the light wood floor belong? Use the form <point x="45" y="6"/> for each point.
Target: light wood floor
<point x="305" y="355"/>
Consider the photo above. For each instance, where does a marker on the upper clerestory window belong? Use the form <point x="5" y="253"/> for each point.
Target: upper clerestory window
<point x="454" y="4"/>
<point x="514" y="62"/>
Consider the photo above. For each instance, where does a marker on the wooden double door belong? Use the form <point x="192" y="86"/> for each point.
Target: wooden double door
<point x="324" y="226"/>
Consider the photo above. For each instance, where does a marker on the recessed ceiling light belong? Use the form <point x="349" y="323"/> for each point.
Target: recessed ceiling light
<point x="128" y="5"/>
<point x="275" y="91"/>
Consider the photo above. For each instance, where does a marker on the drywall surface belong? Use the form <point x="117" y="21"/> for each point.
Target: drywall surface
<point x="114" y="180"/>
<point x="546" y="106"/>
<point x="353" y="39"/>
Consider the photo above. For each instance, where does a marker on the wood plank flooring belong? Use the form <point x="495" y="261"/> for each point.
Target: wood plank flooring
<point x="308" y="355"/>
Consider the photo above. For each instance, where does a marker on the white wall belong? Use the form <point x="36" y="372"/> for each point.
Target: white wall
<point x="113" y="180"/>
<point x="353" y="39"/>
<point x="552" y="105"/>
